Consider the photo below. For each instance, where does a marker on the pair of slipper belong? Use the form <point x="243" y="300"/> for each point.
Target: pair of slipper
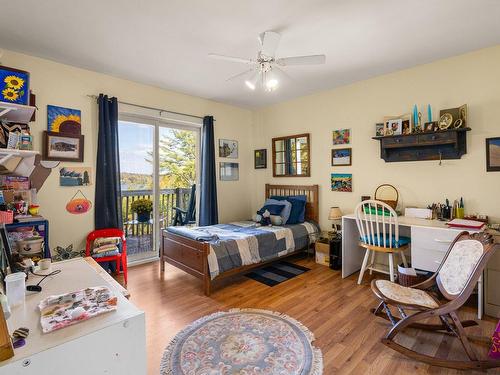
<point x="19" y="337"/>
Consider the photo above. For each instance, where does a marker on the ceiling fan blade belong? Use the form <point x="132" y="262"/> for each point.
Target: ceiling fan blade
<point x="231" y="58"/>
<point x="269" y="41"/>
<point x="301" y="60"/>
<point x="239" y="75"/>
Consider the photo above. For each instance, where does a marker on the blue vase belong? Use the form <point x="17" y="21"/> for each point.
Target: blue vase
<point x="143" y="217"/>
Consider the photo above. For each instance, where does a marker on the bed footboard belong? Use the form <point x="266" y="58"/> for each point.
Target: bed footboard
<point x="186" y="254"/>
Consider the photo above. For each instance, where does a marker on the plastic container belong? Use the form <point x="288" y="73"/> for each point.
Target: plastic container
<point x="15" y="286"/>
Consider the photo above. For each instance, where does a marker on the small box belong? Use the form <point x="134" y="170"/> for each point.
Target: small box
<point x="323" y="258"/>
<point x="322" y="247"/>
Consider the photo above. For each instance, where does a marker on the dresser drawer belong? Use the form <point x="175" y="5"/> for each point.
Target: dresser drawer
<point x="429" y="246"/>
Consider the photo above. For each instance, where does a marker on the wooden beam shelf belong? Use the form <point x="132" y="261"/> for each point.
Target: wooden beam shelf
<point x="444" y="144"/>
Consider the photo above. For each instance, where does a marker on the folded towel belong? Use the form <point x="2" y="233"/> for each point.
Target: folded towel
<point x="106" y="254"/>
<point x="104" y="248"/>
<point x="106" y="241"/>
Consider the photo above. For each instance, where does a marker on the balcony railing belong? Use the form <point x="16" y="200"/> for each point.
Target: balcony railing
<point x="138" y="234"/>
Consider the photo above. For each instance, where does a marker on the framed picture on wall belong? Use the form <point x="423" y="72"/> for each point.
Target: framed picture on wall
<point x="341" y="137"/>
<point x="228" y="148"/>
<point x="229" y="171"/>
<point x="493" y="154"/>
<point x="62" y="147"/>
<point x="341" y="182"/>
<point x="341" y="157"/>
<point x="260" y="158"/>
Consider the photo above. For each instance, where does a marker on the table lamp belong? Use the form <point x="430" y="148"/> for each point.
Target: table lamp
<point x="334" y="215"/>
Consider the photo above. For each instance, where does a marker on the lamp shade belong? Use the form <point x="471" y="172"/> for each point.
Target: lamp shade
<point x="335" y="213"/>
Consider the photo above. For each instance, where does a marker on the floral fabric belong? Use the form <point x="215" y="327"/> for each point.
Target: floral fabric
<point x="405" y="295"/>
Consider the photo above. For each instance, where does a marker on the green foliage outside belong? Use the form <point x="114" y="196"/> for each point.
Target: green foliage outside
<point x="141" y="206"/>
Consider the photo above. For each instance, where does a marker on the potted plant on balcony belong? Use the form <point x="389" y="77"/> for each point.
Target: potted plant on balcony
<point x="143" y="208"/>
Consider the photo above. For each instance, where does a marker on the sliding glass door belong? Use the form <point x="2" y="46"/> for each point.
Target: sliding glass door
<point x="158" y="162"/>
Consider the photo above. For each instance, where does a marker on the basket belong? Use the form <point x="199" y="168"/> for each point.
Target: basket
<point x="410" y="280"/>
<point x="6" y="217"/>
<point x="392" y="203"/>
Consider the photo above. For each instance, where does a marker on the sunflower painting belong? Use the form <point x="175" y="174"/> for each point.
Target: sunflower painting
<point x="14" y="86"/>
<point x="64" y="120"/>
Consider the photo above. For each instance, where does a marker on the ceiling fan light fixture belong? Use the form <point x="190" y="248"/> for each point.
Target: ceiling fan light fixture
<point x="272" y="84"/>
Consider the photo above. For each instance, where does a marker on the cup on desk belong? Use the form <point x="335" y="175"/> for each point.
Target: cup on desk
<point x="44" y="264"/>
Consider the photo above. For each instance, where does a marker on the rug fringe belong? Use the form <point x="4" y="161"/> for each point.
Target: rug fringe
<point x="316" y="363"/>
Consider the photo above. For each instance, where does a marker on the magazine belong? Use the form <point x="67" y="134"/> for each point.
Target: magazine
<point x="67" y="309"/>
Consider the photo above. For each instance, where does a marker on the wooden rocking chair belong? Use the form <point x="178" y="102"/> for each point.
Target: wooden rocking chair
<point x="456" y="277"/>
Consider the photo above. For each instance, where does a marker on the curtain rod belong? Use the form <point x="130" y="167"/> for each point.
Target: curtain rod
<point x="152" y="108"/>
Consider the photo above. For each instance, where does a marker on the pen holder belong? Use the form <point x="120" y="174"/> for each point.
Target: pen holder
<point x="460" y="213"/>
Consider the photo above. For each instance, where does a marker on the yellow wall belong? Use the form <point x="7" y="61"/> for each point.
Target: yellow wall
<point x="67" y="86"/>
<point x="473" y="78"/>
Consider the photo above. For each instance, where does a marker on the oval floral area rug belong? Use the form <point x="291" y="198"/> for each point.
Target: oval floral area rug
<point x="244" y="342"/>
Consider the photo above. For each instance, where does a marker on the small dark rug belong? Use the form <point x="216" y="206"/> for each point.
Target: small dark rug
<point x="276" y="273"/>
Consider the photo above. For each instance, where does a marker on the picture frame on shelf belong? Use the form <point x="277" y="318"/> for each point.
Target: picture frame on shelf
<point x="379" y="129"/>
<point x="431" y="126"/>
<point x="493" y="154"/>
<point x="406" y="127"/>
<point x="14" y="85"/>
<point x="260" y="158"/>
<point x="341" y="157"/>
<point x="394" y="127"/>
<point x="63" y="147"/>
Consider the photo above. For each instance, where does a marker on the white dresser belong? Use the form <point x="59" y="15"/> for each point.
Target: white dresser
<point x="112" y="343"/>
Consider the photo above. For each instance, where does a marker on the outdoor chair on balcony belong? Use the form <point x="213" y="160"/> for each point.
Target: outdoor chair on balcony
<point x="185" y="217"/>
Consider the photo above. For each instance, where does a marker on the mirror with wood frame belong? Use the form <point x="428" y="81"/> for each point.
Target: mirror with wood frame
<point x="291" y="156"/>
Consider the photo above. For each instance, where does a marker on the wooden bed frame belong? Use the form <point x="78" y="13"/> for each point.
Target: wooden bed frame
<point x="191" y="256"/>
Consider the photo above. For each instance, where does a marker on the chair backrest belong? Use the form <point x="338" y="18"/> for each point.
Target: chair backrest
<point x="463" y="264"/>
<point x="377" y="223"/>
<point x="103" y="233"/>
<point x="191" y="211"/>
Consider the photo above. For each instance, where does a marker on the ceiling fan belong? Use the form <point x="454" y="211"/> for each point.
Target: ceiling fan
<point x="265" y="65"/>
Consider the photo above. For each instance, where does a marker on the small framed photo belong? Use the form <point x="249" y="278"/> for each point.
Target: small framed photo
<point x="63" y="147"/>
<point x="431" y="126"/>
<point x="341" y="157"/>
<point x="229" y="171"/>
<point x="379" y="130"/>
<point x="341" y="137"/>
<point x="228" y="149"/>
<point x="493" y="154"/>
<point x="406" y="126"/>
<point x="260" y="158"/>
<point x="394" y="127"/>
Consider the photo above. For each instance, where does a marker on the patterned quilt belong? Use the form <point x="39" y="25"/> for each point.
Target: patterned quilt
<point x="242" y="243"/>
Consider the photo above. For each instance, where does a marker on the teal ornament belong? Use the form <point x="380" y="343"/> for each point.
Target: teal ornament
<point x="429" y="113"/>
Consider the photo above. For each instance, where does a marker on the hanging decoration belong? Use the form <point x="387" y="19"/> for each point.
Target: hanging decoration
<point x="78" y="205"/>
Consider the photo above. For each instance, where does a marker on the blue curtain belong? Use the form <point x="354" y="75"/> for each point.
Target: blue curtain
<point x="208" y="179"/>
<point x="108" y="207"/>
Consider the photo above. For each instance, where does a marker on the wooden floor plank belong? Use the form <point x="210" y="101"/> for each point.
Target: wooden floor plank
<point x="336" y="310"/>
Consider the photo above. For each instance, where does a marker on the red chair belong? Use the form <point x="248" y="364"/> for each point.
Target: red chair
<point x="120" y="258"/>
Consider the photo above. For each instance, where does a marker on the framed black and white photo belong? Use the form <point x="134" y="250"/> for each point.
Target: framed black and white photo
<point x="260" y="158"/>
<point x="341" y="157"/>
<point x="228" y="148"/>
<point x="493" y="154"/>
<point x="229" y="171"/>
<point x="63" y="147"/>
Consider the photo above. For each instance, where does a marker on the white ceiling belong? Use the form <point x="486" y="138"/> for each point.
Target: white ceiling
<point x="165" y="42"/>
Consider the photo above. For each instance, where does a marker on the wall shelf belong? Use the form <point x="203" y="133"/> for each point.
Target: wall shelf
<point x="17" y="162"/>
<point x="445" y="144"/>
<point x="16" y="112"/>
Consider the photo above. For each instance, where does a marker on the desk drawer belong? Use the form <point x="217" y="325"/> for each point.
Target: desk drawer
<point x="429" y="246"/>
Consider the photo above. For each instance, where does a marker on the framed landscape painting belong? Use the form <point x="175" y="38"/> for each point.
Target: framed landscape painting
<point x="63" y="147"/>
<point x="341" y="137"/>
<point x="229" y="171"/>
<point x="341" y="157"/>
<point x="493" y="154"/>
<point x="228" y="149"/>
<point x="341" y="182"/>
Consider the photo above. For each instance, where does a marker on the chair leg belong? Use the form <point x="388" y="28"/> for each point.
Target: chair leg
<point x="372" y="261"/>
<point x="363" y="266"/>
<point x="403" y="258"/>
<point x="125" y="269"/>
<point x="391" y="267"/>
<point x="463" y="337"/>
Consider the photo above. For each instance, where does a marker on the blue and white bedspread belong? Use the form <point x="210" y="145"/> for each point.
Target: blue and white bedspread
<point x="242" y="243"/>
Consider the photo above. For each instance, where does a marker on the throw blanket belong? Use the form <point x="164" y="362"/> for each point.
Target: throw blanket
<point x="242" y="243"/>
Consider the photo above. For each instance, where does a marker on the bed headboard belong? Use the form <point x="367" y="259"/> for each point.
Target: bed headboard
<point x="310" y="191"/>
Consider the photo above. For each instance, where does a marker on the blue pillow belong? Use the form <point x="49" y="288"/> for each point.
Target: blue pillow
<point x="274" y="209"/>
<point x="285" y="214"/>
<point x="298" y="211"/>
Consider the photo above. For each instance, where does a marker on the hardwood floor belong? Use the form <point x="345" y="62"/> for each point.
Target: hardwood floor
<point x="335" y="309"/>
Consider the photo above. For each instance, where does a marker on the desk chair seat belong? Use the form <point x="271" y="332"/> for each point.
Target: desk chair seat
<point x="378" y="227"/>
<point x="455" y="278"/>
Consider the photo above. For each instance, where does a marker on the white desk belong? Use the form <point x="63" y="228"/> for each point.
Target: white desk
<point x="112" y="343"/>
<point x="430" y="240"/>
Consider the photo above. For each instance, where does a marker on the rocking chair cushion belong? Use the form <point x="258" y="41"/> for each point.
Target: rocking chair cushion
<point x="404" y="295"/>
